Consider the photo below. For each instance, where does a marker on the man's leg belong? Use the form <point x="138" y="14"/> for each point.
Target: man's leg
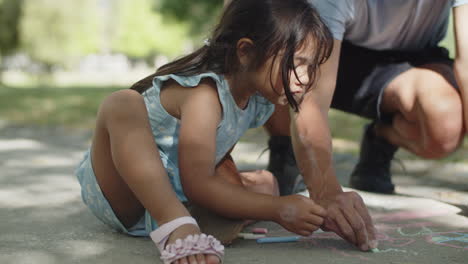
<point x="427" y="111"/>
<point x="411" y="100"/>
<point x="363" y="75"/>
<point x="426" y="119"/>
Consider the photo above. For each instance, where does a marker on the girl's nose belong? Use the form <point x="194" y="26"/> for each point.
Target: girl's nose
<point x="302" y="80"/>
<point x="297" y="88"/>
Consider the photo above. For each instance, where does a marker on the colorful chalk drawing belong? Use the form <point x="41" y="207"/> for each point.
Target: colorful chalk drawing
<point x="398" y="230"/>
<point x="392" y="250"/>
<point x="316" y="241"/>
<point x="404" y="234"/>
<point x="424" y="231"/>
<point x="452" y="239"/>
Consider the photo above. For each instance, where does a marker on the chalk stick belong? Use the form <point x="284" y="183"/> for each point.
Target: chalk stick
<point x="259" y="230"/>
<point x="250" y="236"/>
<point x="278" y="239"/>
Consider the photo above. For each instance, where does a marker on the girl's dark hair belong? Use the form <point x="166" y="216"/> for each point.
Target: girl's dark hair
<point x="274" y="26"/>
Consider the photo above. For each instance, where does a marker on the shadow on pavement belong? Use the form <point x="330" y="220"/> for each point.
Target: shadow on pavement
<point x="42" y="218"/>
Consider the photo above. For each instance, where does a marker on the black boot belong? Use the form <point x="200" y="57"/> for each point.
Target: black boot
<point x="282" y="163"/>
<point x="372" y="173"/>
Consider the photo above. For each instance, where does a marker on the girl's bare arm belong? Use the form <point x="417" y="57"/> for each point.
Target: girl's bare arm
<point x="200" y="116"/>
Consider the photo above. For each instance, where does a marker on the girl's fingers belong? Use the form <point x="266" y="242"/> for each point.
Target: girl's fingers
<point x="318" y="210"/>
<point x="310" y="227"/>
<point x="314" y="220"/>
<point x="304" y="233"/>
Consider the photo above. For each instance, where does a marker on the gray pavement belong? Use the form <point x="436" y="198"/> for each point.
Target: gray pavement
<point x="42" y="218"/>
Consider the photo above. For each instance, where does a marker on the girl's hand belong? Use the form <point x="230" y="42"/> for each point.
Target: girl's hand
<point x="300" y="214"/>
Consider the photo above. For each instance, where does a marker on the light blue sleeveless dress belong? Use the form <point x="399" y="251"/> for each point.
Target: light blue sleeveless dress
<point x="165" y="128"/>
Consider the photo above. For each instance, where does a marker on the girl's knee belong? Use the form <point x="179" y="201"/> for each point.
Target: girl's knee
<point x="121" y="105"/>
<point x="270" y="181"/>
<point x="260" y="181"/>
<point x="121" y="100"/>
<point x="265" y="176"/>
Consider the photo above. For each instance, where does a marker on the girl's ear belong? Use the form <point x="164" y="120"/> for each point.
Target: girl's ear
<point x="244" y="50"/>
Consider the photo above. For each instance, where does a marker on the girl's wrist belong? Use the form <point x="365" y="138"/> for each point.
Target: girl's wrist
<point x="278" y="204"/>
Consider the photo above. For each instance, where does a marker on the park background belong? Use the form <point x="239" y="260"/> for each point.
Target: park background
<point x="59" y="59"/>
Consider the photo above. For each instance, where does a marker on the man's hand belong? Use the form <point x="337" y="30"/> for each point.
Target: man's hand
<point x="348" y="217"/>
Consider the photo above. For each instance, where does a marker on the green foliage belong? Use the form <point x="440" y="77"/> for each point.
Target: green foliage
<point x="52" y="106"/>
<point x="201" y="14"/>
<point x="141" y="32"/>
<point x="9" y="21"/>
<point x="448" y="42"/>
<point x="59" y="32"/>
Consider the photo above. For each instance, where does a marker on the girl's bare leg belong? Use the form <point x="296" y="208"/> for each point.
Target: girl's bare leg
<point x="258" y="181"/>
<point x="129" y="170"/>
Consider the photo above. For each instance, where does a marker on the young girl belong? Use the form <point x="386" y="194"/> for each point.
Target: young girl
<point x="156" y="145"/>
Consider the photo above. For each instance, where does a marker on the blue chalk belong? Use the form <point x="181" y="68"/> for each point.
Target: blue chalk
<point x="278" y="239"/>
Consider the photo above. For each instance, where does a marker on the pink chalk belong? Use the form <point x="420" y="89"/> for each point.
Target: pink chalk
<point x="250" y="236"/>
<point x="259" y="230"/>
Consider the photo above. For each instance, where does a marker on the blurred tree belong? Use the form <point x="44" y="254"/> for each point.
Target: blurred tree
<point x="201" y="13"/>
<point x="9" y="28"/>
<point x="59" y="32"/>
<point x="141" y="31"/>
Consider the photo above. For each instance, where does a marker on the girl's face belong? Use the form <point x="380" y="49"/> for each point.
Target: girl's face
<point x="298" y="84"/>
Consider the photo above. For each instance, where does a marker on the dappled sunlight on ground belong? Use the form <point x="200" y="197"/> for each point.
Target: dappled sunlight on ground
<point x="44" y="221"/>
<point x="17" y="144"/>
<point x="39" y="194"/>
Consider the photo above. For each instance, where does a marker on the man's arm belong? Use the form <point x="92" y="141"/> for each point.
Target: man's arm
<point x="311" y="133"/>
<point x="346" y="213"/>
<point x="460" y="16"/>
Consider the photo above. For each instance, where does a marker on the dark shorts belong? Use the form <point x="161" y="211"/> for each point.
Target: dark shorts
<point x="363" y="74"/>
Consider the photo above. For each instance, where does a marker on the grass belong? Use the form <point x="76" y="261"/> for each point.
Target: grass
<point x="52" y="106"/>
<point x="76" y="107"/>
